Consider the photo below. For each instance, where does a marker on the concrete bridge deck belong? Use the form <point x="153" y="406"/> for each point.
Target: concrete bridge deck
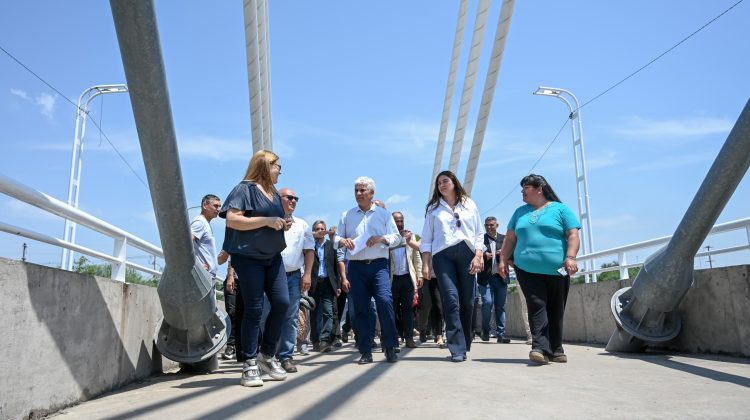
<point x="497" y="381"/>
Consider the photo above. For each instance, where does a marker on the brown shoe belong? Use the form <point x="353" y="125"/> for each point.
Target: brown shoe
<point x="410" y="344"/>
<point x="560" y="358"/>
<point x="288" y="366"/>
<point x="537" y="356"/>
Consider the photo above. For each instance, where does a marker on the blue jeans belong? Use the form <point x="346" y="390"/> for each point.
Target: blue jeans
<point x="372" y="281"/>
<point x="288" y="337"/>
<point x="353" y="317"/>
<point x="457" y="290"/>
<point x="257" y="277"/>
<point x="494" y="293"/>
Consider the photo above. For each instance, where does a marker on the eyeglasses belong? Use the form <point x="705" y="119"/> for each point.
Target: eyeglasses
<point x="277" y="165"/>
<point x="458" y="221"/>
<point x="290" y="197"/>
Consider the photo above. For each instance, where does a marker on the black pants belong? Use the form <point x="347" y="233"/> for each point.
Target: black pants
<point x="436" y="307"/>
<point x="402" y="290"/>
<point x="546" y="296"/>
<point x="341" y="314"/>
<point x="229" y="306"/>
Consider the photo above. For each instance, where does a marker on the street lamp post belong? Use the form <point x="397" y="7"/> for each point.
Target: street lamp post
<point x="74" y="182"/>
<point x="579" y="157"/>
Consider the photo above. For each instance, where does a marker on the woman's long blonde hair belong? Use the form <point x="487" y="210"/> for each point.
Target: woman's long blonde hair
<point x="259" y="170"/>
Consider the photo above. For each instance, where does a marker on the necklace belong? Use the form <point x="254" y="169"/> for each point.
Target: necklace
<point x="536" y="214"/>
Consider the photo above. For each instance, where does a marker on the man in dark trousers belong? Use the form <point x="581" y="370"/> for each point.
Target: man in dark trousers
<point x="326" y="286"/>
<point x="493" y="289"/>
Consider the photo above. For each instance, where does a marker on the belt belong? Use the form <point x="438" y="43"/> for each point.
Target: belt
<point x="289" y="273"/>
<point x="367" y="261"/>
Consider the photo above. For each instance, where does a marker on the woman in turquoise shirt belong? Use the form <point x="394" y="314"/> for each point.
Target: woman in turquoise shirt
<point x="542" y="243"/>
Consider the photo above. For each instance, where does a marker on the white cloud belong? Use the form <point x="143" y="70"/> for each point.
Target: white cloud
<point x="20" y="93"/>
<point x="643" y="128"/>
<point x="669" y="162"/>
<point x="46" y="104"/>
<point x="217" y="148"/>
<point x="396" y="199"/>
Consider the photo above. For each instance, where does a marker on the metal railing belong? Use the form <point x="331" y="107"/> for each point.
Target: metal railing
<point x="122" y="239"/>
<point x="621" y="252"/>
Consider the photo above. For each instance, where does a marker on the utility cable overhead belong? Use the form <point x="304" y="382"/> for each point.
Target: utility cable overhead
<point x="614" y="86"/>
<point x="660" y="55"/>
<point x="532" y="166"/>
<point x="98" y="127"/>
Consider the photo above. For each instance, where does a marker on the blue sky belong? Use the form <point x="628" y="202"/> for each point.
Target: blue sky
<point x="358" y="89"/>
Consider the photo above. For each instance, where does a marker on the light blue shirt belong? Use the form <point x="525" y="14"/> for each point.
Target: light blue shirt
<point x="375" y="222"/>
<point x="541" y="236"/>
<point x="321" y="251"/>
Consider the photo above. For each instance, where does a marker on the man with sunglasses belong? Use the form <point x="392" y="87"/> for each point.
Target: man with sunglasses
<point x="298" y="253"/>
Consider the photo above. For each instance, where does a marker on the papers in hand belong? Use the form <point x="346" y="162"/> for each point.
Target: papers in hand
<point x="360" y="243"/>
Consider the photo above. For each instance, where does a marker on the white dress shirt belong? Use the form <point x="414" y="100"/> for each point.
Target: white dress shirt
<point x="375" y="222"/>
<point x="298" y="238"/>
<point x="400" y="265"/>
<point x="441" y="230"/>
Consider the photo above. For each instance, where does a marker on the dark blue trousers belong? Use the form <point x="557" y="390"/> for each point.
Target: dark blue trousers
<point x="457" y="288"/>
<point x="257" y="277"/>
<point x="368" y="281"/>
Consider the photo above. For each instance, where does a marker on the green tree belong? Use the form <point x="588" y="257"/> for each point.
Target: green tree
<point x="615" y="274"/>
<point x="84" y="266"/>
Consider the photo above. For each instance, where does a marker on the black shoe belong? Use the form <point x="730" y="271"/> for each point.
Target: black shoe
<point x="229" y="352"/>
<point x="390" y="355"/>
<point x="337" y="343"/>
<point x="365" y="359"/>
<point x="503" y="339"/>
<point x="316" y="347"/>
<point x="422" y="337"/>
<point x="485" y="336"/>
<point x="396" y="350"/>
<point x="325" y="347"/>
<point x="345" y="338"/>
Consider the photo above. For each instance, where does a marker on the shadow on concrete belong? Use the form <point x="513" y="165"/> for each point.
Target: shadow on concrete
<point x="666" y="361"/>
<point x="214" y="384"/>
<point x="76" y="315"/>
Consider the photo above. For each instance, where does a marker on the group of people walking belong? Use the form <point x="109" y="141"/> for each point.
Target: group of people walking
<point x="277" y="260"/>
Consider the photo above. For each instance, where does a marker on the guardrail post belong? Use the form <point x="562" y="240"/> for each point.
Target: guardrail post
<point x="119" y="268"/>
<point x="622" y="260"/>
<point x="194" y="328"/>
<point x="647" y="312"/>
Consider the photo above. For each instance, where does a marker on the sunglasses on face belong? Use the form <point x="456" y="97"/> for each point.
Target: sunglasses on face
<point x="291" y="197"/>
<point x="458" y="221"/>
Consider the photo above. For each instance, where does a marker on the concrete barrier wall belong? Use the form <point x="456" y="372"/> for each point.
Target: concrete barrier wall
<point x="715" y="313"/>
<point x="67" y="337"/>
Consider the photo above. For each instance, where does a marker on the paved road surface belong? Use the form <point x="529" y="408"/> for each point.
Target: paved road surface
<point x="497" y="381"/>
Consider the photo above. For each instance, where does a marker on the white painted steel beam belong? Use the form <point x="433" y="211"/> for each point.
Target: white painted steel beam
<point x="498" y="47"/>
<point x="450" y="87"/>
<point x="475" y="52"/>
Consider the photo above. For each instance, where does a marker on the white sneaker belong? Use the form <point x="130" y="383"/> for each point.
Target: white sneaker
<point x="270" y="366"/>
<point x="251" y="374"/>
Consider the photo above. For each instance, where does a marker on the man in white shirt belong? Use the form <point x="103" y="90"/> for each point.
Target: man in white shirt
<point x="298" y="253"/>
<point x="204" y="244"/>
<point x="367" y="232"/>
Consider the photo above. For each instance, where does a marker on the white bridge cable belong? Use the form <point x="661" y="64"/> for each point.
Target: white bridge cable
<point x="475" y="52"/>
<point x="490" y="82"/>
<point x="250" y="8"/>
<point x="450" y="87"/>
<point x="263" y="60"/>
